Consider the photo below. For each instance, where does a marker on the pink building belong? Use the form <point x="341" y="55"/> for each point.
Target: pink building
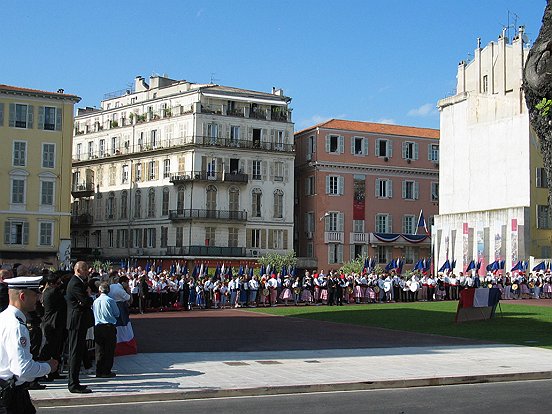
<point x="360" y="187"/>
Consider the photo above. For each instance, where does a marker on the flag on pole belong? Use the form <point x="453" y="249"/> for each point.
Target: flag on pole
<point x="470" y="266"/>
<point x="446" y="266"/>
<point x="422" y="223"/>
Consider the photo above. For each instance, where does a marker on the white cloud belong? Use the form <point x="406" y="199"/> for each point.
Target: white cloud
<point x="316" y="119"/>
<point x="383" y="121"/>
<point x="427" y="109"/>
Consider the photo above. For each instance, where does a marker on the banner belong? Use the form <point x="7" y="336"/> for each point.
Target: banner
<point x="359" y="197"/>
<point x="514" y="240"/>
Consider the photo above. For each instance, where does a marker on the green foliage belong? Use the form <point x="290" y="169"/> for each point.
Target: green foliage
<point x="354" y="266"/>
<point x="544" y="107"/>
<point x="278" y="260"/>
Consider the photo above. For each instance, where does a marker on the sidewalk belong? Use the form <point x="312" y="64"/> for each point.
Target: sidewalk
<point x="186" y="375"/>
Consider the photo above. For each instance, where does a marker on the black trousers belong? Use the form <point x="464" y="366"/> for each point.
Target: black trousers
<point x="77" y="351"/>
<point x="21" y="403"/>
<point x="105" y="337"/>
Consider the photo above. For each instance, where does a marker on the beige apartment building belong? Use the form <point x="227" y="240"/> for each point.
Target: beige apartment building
<point x="360" y="188"/>
<point x="35" y="172"/>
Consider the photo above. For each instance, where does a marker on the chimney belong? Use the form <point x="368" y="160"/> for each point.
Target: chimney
<point x="60" y="91"/>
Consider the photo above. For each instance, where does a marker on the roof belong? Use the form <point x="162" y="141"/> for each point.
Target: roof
<point x="17" y="89"/>
<point x="372" y="127"/>
<point x="247" y="92"/>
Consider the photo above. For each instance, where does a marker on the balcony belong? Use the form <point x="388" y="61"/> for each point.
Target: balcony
<point x="333" y="237"/>
<point x="356" y="238"/>
<point x="235" y="177"/>
<point x="206" y="251"/>
<point x="84" y="189"/>
<point x="85" y="219"/>
<point x="191" y="214"/>
<point x="242" y="143"/>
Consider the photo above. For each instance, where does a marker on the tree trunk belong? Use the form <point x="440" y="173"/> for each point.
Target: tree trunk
<point x="537" y="84"/>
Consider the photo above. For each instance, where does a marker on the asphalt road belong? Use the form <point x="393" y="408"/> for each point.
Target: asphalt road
<point x="525" y="397"/>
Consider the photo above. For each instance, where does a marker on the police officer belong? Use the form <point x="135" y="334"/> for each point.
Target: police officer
<point x="16" y="362"/>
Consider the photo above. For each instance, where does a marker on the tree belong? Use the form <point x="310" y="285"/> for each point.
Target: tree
<point x="537" y="86"/>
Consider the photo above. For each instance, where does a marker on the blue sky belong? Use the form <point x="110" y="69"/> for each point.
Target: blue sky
<point x="380" y="61"/>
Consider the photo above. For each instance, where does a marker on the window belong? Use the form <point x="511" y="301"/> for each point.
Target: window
<point x="256" y="238"/>
<point x="410" y="190"/>
<point x="124" y="204"/>
<point x="165" y="202"/>
<point x="384" y="188"/>
<point x="166" y="168"/>
<point x="152" y="170"/>
<point x="383" y="254"/>
<point x="334" y="144"/>
<point x="334" y="185"/>
<point x="359" y="146"/>
<point x="233" y="233"/>
<point x="335" y="253"/>
<point x="311" y="147"/>
<point x="433" y="152"/>
<point x="279" y="144"/>
<point x="410" y="254"/>
<point x="138" y="171"/>
<point x="114" y="145"/>
<point x="409" y="224"/>
<point x="212" y="133"/>
<point x="278" y="171"/>
<point x="122" y="238"/>
<point x="210" y="236"/>
<point x="257" y="195"/>
<point x="153" y="138"/>
<point x="47" y="193"/>
<point x="309" y="222"/>
<point x="434" y="191"/>
<point x="211" y="198"/>
<point x="233" y="199"/>
<point x="48" y="155"/>
<point x="18" y="191"/>
<point x="124" y="176"/>
<point x="21" y="116"/>
<point x="542" y="217"/>
<point x="410" y="151"/>
<point x="110" y="206"/>
<point x="276" y="239"/>
<point x="278" y="204"/>
<point x="16" y="232"/>
<point x="234" y="135"/>
<point x="112" y="174"/>
<point x="256" y="170"/>
<point x="334" y="222"/>
<point x="110" y="238"/>
<point x="310" y="249"/>
<point x="383" y="223"/>
<point x="309" y="185"/>
<point x="384" y="148"/>
<point x="179" y="236"/>
<point x="137" y="203"/>
<point x="151" y="237"/>
<point x="542" y="181"/>
<point x="151" y="202"/>
<point x="19" y="154"/>
<point x="50" y="119"/>
<point x="485" y="83"/>
<point x="358" y="226"/>
<point x="101" y="148"/>
<point x="90" y="149"/>
<point x="137" y="240"/>
<point x="164" y="236"/>
<point x="79" y="151"/>
<point x="1" y="114"/>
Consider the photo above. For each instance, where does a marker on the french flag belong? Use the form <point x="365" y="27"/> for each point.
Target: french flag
<point x="126" y="343"/>
<point x="479" y="298"/>
<point x="422" y="223"/>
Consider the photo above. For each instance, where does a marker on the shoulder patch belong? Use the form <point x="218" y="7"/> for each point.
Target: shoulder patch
<point x="23" y="341"/>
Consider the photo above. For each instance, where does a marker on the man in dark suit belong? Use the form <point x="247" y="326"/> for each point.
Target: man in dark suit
<point x="79" y="319"/>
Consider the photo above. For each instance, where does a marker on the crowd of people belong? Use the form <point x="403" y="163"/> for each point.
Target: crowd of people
<point x="71" y="322"/>
<point x="165" y="290"/>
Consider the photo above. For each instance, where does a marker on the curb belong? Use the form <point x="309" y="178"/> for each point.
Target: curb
<point x="289" y="389"/>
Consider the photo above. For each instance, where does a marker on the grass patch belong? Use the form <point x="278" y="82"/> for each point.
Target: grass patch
<point x="519" y="324"/>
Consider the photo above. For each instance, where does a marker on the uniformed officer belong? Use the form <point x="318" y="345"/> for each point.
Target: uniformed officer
<point x="16" y="361"/>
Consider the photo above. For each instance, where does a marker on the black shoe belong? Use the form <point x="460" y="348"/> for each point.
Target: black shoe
<point x="80" y="390"/>
<point x="36" y="386"/>
<point x="110" y="375"/>
<point x="57" y="376"/>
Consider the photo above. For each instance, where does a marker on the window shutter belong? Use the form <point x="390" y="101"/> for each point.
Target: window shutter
<point x="331" y="253"/>
<point x="58" y="119"/>
<point x="156" y="170"/>
<point x="353" y="145"/>
<point x="404" y="229"/>
<point x="403" y="189"/>
<point x="263" y="238"/>
<point x="30" y="114"/>
<point x="264" y="168"/>
<point x="389" y="224"/>
<point x="415" y="151"/>
<point x="40" y="117"/>
<point x="389" y="188"/>
<point x="7" y="232"/>
<point x="270" y="238"/>
<point x="327" y="184"/>
<point x="404" y="150"/>
<point x="285" y="246"/>
<point x="377" y="150"/>
<point x="1" y="114"/>
<point x="144" y="237"/>
<point x="118" y="239"/>
<point x="416" y="190"/>
<point x="286" y="172"/>
<point x="328" y="144"/>
<point x="248" y="238"/>
<point x="389" y="149"/>
<point x="429" y="152"/>
<point x="25" y="233"/>
<point x="306" y="222"/>
<point x="365" y="146"/>
<point x="12" y="115"/>
<point x="250" y="168"/>
<point x="339" y="253"/>
<point x="341" y="143"/>
<point x="340" y="185"/>
<point x="340" y="220"/>
<point x="154" y="237"/>
<point x="327" y="223"/>
<point x="272" y="170"/>
<point x="377" y="187"/>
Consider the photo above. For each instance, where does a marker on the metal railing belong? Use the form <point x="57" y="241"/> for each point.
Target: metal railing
<point x="82" y="219"/>
<point x="205" y="251"/>
<point x="194" y="213"/>
<point x="83" y="187"/>
<point x="183" y="176"/>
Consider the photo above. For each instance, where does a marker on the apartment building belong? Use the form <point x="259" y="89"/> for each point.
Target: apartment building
<point x="35" y="129"/>
<point x="493" y="184"/>
<point x="360" y="187"/>
<point x="174" y="169"/>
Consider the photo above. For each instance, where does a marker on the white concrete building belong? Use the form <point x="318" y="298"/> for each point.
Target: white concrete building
<point x="175" y="169"/>
<point x="492" y="201"/>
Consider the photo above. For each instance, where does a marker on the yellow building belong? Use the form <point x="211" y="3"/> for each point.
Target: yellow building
<point x="35" y="175"/>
